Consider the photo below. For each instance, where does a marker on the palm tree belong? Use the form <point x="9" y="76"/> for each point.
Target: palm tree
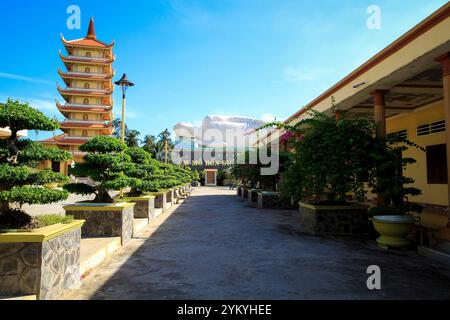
<point x="164" y="142"/>
<point x="149" y="145"/>
<point x="132" y="138"/>
<point x="117" y="125"/>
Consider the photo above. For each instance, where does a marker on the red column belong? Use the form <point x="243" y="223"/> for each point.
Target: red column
<point x="338" y="115"/>
<point x="380" y="112"/>
<point x="380" y="120"/>
<point x="445" y="62"/>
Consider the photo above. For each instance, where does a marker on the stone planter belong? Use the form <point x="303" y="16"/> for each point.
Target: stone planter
<point x="244" y="194"/>
<point x="105" y="219"/>
<point x="43" y="262"/>
<point x="144" y="208"/>
<point x="333" y="220"/>
<point x="160" y="203"/>
<point x="252" y="197"/>
<point x="269" y="200"/>
<point x="170" y="198"/>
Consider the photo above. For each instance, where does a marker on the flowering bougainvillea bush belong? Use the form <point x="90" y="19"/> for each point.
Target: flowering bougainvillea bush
<point x="333" y="159"/>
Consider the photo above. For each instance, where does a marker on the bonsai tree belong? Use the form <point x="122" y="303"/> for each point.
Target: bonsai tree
<point x="20" y="181"/>
<point x="388" y="179"/>
<point x="144" y="172"/>
<point x="105" y="163"/>
<point x="171" y="175"/>
<point x="195" y="176"/>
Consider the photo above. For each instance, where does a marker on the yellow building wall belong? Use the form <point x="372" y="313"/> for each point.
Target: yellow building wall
<point x="435" y="194"/>
<point x="93" y="68"/>
<point x="92" y="84"/>
<point x="80" y="100"/>
<point x="80" y="116"/>
<point x="94" y="53"/>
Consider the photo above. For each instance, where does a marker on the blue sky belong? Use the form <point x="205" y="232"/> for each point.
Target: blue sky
<point x="191" y="58"/>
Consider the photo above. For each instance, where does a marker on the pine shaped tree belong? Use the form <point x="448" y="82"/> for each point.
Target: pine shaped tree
<point x="20" y="181"/>
<point x="105" y="163"/>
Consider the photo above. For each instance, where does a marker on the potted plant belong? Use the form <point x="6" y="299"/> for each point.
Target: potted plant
<point x="392" y="218"/>
<point x="141" y="171"/>
<point x="105" y="163"/>
<point x="331" y="160"/>
<point x="30" y="266"/>
<point x="195" y="178"/>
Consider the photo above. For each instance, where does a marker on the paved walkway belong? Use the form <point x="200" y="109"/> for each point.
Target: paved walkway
<point x="214" y="246"/>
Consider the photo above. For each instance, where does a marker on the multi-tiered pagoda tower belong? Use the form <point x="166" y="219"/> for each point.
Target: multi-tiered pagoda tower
<point x="88" y="103"/>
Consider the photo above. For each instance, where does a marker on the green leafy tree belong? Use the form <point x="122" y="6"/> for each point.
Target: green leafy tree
<point x="149" y="145"/>
<point x="117" y="125"/>
<point x="195" y="176"/>
<point x="335" y="159"/>
<point x="132" y="138"/>
<point x="20" y="182"/>
<point x="145" y="172"/>
<point x="163" y="140"/>
<point x="105" y="163"/>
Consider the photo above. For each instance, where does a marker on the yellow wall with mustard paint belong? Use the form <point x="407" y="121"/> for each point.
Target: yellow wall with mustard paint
<point x="431" y="193"/>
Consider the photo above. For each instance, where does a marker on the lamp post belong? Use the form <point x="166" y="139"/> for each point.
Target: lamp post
<point x="124" y="83"/>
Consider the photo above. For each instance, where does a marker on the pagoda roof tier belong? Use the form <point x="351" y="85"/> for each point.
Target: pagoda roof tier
<point x="106" y="128"/>
<point x="85" y="75"/>
<point x="85" y="92"/>
<point x="65" y="140"/>
<point x="91" y="108"/>
<point x="86" y="60"/>
<point x="87" y="43"/>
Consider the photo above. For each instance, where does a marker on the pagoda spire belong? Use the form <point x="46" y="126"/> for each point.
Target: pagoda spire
<point x="91" y="30"/>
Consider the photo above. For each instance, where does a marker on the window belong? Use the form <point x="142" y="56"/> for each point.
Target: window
<point x="87" y="70"/>
<point x="402" y="134"/>
<point x="85" y="117"/>
<point x="88" y="54"/>
<point x="86" y="101"/>
<point x="85" y="133"/>
<point x="86" y="85"/>
<point x="429" y="128"/>
<point x="56" y="166"/>
<point x="437" y="164"/>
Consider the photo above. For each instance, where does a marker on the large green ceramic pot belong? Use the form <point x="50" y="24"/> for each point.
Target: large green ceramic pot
<point x="393" y="230"/>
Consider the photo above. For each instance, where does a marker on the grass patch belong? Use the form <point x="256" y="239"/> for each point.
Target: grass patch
<point x="51" y="219"/>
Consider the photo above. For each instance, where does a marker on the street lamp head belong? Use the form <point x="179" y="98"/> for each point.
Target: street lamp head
<point x="124" y="83"/>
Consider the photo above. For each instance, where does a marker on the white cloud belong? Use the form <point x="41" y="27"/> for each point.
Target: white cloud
<point x="22" y="78"/>
<point x="268" y="117"/>
<point x="300" y="75"/>
<point x="40" y="104"/>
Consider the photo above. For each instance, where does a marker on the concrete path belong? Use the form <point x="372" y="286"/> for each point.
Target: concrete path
<point x="214" y="246"/>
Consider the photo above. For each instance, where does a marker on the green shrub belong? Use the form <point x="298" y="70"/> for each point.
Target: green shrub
<point x="51" y="219"/>
<point x="20" y="182"/>
<point x="105" y="163"/>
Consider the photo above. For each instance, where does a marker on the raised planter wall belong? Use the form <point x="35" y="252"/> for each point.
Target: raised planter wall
<point x="144" y="208"/>
<point x="160" y="201"/>
<point x="252" y="197"/>
<point x="244" y="194"/>
<point x="269" y="200"/>
<point x="333" y="220"/>
<point x="44" y="262"/>
<point x="105" y="220"/>
<point x="169" y="197"/>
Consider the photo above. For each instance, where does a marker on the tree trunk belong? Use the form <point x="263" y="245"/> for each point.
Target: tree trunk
<point x="103" y="197"/>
